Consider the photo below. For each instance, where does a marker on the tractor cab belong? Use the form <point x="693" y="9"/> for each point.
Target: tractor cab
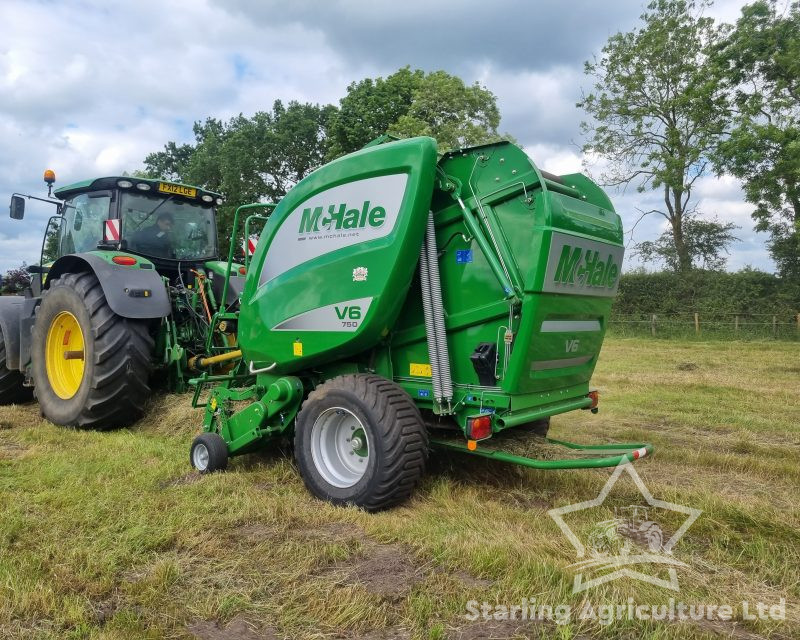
<point x="165" y="222"/>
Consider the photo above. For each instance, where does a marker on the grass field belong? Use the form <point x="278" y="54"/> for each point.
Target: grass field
<point x="110" y="535"/>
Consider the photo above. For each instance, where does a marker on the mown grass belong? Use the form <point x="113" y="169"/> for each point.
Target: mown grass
<point x="110" y="535"/>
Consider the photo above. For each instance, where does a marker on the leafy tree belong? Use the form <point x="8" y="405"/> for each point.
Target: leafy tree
<point x="52" y="239"/>
<point x="170" y="163"/>
<point x="705" y="242"/>
<point x="760" y="60"/>
<point x="412" y="103"/>
<point x="248" y="159"/>
<point x="657" y="112"/>
<point x="369" y="109"/>
<point x="15" y="280"/>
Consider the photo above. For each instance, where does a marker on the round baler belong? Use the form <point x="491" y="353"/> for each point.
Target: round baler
<point x="398" y="301"/>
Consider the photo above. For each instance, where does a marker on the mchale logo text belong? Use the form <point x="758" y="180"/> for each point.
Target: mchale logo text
<point x="585" y="267"/>
<point x="340" y="217"/>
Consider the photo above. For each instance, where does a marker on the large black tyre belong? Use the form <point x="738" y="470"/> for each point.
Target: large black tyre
<point x="11" y="389"/>
<point x="394" y="450"/>
<point x="112" y="388"/>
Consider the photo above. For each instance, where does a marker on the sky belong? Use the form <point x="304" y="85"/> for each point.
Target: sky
<point x="90" y="87"/>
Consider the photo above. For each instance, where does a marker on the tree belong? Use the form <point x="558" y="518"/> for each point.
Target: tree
<point x="248" y="159"/>
<point x="657" y="112"/>
<point x="15" y="280"/>
<point x="412" y="103"/>
<point x="168" y="164"/>
<point x="760" y="61"/>
<point x="705" y="242"/>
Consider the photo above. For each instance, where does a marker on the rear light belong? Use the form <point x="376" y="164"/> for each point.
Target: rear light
<point x="125" y="261"/>
<point x="479" y="428"/>
<point x="242" y="271"/>
<point x="595" y="397"/>
<point x="143" y="186"/>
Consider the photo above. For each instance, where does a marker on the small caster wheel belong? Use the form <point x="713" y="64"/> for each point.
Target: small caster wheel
<point x="209" y="453"/>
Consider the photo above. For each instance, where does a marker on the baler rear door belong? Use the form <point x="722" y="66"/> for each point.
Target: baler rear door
<point x="336" y="258"/>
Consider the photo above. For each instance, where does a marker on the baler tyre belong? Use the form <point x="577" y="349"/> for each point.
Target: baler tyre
<point x="11" y="389"/>
<point x="89" y="365"/>
<point x="209" y="453"/>
<point x="360" y="440"/>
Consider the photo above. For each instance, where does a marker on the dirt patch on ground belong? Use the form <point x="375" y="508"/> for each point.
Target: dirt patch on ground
<point x="523" y="501"/>
<point x="11" y="450"/>
<point x="503" y="630"/>
<point x="687" y="366"/>
<point x="395" y="633"/>
<point x="188" y="478"/>
<point x="729" y="629"/>
<point x="336" y="532"/>
<point x="237" y="629"/>
<point x="255" y="531"/>
<point x="468" y="580"/>
<point x="386" y="570"/>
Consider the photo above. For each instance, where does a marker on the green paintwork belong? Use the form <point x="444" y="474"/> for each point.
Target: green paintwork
<point x="625" y="451"/>
<point x="510" y="207"/>
<point x="392" y="184"/>
<point x="109" y="182"/>
<point x="109" y="254"/>
<point x="333" y="287"/>
<point x="220" y="267"/>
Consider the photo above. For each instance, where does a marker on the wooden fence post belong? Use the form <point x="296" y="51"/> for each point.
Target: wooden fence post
<point x="774" y="326"/>
<point x="653" y="324"/>
<point x="697" y="323"/>
<point x="736" y="326"/>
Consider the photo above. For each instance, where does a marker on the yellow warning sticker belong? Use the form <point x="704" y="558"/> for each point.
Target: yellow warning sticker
<point x="298" y="348"/>
<point x="422" y="370"/>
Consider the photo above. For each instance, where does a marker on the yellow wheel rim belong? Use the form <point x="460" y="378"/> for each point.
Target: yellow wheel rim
<point x="64" y="355"/>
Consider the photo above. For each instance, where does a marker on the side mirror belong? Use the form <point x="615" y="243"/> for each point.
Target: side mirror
<point x="17" y="208"/>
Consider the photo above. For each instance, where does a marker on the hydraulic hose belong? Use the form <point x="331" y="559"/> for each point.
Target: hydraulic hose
<point x="427" y="312"/>
<point x="442" y="352"/>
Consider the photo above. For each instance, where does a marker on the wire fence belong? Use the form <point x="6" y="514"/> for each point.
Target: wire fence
<point x="705" y="326"/>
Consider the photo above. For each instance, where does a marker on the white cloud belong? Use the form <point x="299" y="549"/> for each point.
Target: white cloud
<point x="90" y="87"/>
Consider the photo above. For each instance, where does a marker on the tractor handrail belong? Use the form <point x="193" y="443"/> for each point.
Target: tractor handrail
<point x="254" y="205"/>
<point x="247" y="235"/>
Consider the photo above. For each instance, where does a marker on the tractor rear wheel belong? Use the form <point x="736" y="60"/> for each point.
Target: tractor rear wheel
<point x="89" y="365"/>
<point x="360" y="440"/>
<point x="11" y="389"/>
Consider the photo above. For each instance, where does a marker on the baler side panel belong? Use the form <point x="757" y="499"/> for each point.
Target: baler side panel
<point x="336" y="258"/>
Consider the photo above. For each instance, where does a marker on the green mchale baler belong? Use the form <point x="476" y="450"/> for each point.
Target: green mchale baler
<point x="396" y="302"/>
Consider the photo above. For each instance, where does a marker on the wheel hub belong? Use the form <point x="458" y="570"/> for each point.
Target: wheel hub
<point x="65" y="353"/>
<point x="200" y="457"/>
<point x="339" y="447"/>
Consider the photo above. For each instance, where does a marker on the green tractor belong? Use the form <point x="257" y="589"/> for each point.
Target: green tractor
<point x="123" y="299"/>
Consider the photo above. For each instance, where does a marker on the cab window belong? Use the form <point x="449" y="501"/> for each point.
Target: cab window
<point x="82" y="227"/>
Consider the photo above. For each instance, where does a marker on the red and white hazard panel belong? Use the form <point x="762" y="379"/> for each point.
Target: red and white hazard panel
<point x="111" y="231"/>
<point x="249" y="247"/>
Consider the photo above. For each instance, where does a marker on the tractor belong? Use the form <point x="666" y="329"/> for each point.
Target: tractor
<point x="123" y="298"/>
